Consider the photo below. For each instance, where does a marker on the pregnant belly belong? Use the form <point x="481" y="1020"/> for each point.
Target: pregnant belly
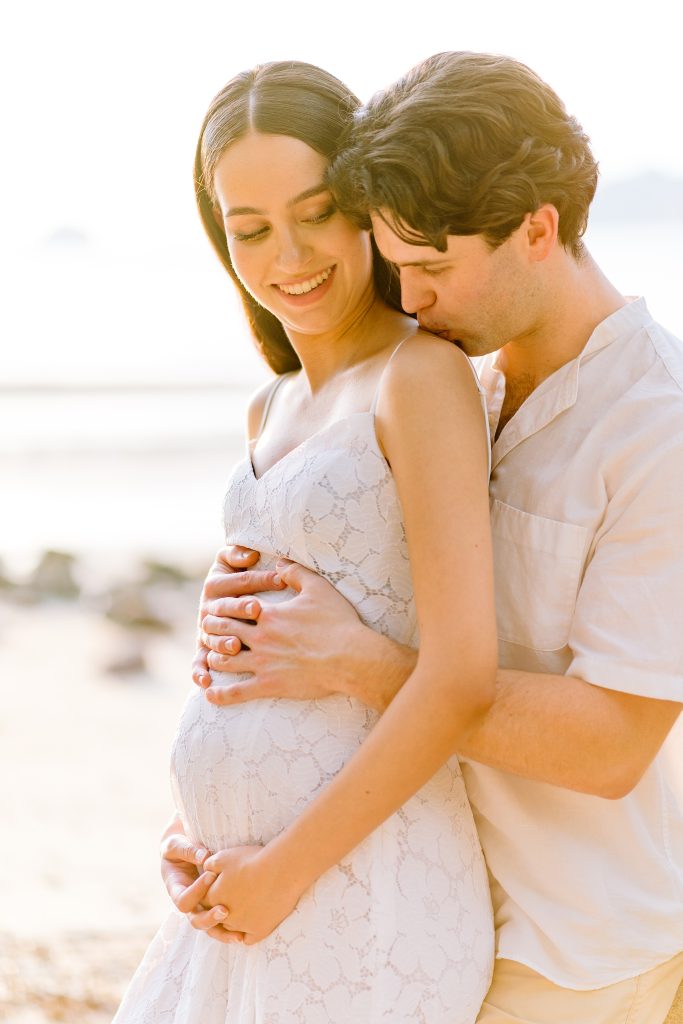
<point x="241" y="774"/>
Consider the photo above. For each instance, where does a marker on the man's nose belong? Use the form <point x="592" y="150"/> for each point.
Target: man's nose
<point x="416" y="294"/>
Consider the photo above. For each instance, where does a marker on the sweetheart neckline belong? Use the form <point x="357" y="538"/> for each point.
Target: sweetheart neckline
<point x="302" y="444"/>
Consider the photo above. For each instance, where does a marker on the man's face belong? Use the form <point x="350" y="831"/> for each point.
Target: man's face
<point x="479" y="297"/>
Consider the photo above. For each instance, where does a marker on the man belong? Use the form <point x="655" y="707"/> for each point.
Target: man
<point x="478" y="184"/>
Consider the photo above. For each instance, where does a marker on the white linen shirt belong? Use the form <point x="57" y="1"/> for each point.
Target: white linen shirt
<point x="587" y="520"/>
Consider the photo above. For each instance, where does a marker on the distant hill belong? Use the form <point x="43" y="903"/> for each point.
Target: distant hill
<point x="647" y="197"/>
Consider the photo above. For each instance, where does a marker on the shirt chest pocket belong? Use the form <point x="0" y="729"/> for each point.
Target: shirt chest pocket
<point x="538" y="564"/>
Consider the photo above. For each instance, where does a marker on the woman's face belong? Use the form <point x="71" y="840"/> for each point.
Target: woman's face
<point x="290" y="247"/>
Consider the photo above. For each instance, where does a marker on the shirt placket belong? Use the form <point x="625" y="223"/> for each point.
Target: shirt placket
<point x="542" y="407"/>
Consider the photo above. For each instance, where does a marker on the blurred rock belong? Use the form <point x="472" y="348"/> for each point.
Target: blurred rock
<point x="53" y="576"/>
<point x="132" y="606"/>
<point x="6" y="582"/>
<point x="162" y="572"/>
<point x="24" y="596"/>
<point x="129" y="660"/>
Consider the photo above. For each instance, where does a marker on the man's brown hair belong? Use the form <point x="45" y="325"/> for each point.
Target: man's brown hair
<point x="467" y="144"/>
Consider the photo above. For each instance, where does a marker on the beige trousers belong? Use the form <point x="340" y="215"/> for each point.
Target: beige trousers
<point x="519" y="995"/>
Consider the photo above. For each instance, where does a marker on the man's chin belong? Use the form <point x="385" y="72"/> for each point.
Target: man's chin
<point x="453" y="338"/>
<point x="441" y="332"/>
<point x="469" y="347"/>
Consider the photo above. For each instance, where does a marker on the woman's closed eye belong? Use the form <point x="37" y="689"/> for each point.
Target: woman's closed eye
<point x="318" y="217"/>
<point x="321" y="215"/>
<point x="249" y="236"/>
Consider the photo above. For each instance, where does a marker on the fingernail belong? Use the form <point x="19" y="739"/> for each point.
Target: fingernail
<point x="280" y="564"/>
<point x="277" y="580"/>
<point x="221" y="913"/>
<point x="201" y="854"/>
<point x="251" y="608"/>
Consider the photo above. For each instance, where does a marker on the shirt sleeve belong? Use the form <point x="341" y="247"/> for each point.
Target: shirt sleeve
<point x="627" y="631"/>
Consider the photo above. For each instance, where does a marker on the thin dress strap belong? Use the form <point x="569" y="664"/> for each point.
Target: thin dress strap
<point x="267" y="404"/>
<point x="482" y="395"/>
<point x="373" y="407"/>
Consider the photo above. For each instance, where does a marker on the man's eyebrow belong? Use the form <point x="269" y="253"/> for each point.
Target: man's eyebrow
<point x="238" y="211"/>
<point x="421" y="263"/>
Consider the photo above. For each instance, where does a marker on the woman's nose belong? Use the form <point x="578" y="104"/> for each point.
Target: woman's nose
<point x="293" y="251"/>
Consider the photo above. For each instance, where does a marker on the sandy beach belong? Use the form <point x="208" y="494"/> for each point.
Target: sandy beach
<point x="84" y="796"/>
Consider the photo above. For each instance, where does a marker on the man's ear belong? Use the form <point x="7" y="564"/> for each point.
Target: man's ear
<point x="540" y="230"/>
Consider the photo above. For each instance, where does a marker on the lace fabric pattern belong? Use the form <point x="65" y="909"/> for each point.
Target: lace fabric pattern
<point x="401" y="930"/>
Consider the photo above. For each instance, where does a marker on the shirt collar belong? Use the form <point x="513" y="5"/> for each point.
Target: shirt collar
<point x="621" y="324"/>
<point x="560" y="390"/>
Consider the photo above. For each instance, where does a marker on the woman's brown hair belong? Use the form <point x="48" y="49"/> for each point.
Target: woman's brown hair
<point x="467" y="144"/>
<point x="280" y="98"/>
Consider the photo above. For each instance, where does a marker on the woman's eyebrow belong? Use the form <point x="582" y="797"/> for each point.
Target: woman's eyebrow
<point x="309" y="193"/>
<point x="316" y="190"/>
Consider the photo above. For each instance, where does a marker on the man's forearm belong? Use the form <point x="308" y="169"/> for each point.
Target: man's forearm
<point x="375" y="668"/>
<point x="569" y="733"/>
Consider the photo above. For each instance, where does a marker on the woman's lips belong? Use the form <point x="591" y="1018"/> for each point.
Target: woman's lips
<point x="317" y="286"/>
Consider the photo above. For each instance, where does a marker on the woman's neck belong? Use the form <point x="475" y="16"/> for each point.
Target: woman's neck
<point x="369" y="329"/>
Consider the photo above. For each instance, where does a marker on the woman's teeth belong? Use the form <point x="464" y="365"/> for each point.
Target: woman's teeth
<point x="306" y="286"/>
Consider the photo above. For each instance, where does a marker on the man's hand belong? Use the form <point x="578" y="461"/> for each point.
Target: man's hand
<point x="310" y="646"/>
<point x="296" y="648"/>
<point x="187" y="885"/>
<point x="230" y="577"/>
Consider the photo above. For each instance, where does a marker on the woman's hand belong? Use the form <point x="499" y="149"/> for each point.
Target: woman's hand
<point x="181" y="864"/>
<point x="258" y="896"/>
<point x="187" y="885"/>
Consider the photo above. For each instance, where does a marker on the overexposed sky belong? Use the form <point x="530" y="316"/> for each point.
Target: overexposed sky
<point x="102" y="102"/>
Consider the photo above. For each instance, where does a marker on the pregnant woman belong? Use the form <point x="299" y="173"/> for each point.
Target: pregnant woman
<point x="344" y="848"/>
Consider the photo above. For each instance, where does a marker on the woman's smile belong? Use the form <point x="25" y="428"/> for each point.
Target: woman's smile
<point x="307" y="290"/>
<point x="291" y="248"/>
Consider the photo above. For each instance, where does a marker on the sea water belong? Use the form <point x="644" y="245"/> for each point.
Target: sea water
<point x="124" y="383"/>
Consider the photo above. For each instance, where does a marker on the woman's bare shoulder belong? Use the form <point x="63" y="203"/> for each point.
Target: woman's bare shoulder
<point x="426" y="361"/>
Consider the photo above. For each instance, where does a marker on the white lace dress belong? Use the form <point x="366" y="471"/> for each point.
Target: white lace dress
<point x="401" y="930"/>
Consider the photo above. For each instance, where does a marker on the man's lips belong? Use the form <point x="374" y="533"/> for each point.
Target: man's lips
<point x="443" y="332"/>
